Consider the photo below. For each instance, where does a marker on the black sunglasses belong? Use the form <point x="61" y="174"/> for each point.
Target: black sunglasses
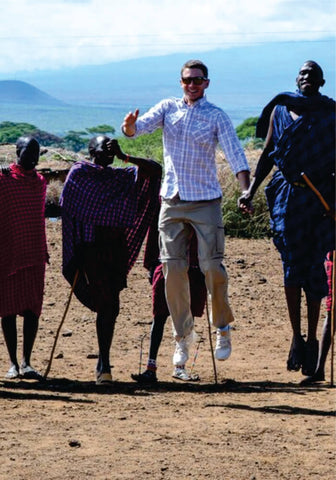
<point x="195" y="80"/>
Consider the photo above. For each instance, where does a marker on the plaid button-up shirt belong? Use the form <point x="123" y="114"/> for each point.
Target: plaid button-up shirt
<point x="190" y="137"/>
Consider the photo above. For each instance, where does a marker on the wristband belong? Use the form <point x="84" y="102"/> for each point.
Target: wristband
<point x="126" y="158"/>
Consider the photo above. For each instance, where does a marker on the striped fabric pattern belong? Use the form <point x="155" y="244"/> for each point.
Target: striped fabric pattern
<point x="23" y="244"/>
<point x="22" y="291"/>
<point x="107" y="197"/>
<point x="100" y="196"/>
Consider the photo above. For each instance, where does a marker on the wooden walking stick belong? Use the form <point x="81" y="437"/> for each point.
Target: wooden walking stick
<point x="210" y="340"/>
<point x="195" y="376"/>
<point x="141" y="350"/>
<point x="60" y="325"/>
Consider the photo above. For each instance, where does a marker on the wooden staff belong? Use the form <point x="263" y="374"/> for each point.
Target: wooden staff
<point x="318" y="194"/>
<point x="60" y="325"/>
<point x="195" y="357"/>
<point x="141" y="350"/>
<point x="210" y="340"/>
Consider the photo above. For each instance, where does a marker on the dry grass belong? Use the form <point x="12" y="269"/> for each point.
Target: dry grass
<point x="54" y="191"/>
<point x="237" y="224"/>
<point x="53" y="158"/>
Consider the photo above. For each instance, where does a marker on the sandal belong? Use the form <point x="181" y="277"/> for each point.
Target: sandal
<point x="147" y="377"/>
<point x="103" y="378"/>
<point x="29" y="373"/>
<point x="296" y="354"/>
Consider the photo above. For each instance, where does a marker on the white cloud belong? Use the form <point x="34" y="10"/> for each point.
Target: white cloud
<point x="39" y="34"/>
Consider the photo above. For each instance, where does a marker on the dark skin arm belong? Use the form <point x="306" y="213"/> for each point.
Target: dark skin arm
<point x="264" y="167"/>
<point x="147" y="167"/>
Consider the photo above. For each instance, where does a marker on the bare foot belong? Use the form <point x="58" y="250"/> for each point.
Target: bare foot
<point x="296" y="354"/>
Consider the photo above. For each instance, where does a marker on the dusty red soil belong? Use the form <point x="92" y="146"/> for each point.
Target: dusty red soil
<point x="256" y="423"/>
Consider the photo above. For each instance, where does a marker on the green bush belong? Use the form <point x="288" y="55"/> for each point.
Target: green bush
<point x="146" y="146"/>
<point x="101" y="129"/>
<point x="10" y="131"/>
<point x="246" y="133"/>
<point x="246" y="130"/>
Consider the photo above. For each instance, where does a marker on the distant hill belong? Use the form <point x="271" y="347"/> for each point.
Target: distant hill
<point x="246" y="76"/>
<point x="243" y="80"/>
<point x="15" y="91"/>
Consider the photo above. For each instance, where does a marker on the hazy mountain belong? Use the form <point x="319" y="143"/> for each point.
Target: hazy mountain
<point x="248" y="75"/>
<point x="15" y="91"/>
<point x="242" y="80"/>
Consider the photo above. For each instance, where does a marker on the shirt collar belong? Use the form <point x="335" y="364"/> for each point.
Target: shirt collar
<point x="199" y="102"/>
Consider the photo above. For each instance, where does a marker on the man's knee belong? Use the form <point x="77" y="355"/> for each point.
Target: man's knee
<point x="214" y="269"/>
<point x="176" y="266"/>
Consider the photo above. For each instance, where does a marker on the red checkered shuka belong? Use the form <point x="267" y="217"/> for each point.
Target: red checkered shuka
<point x="23" y="238"/>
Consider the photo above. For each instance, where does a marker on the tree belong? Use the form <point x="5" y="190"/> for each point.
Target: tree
<point x="246" y="130"/>
<point x="78" y="140"/>
<point x="74" y="141"/>
<point x="246" y="133"/>
<point x="11" y="131"/>
<point x="101" y="129"/>
<point x="46" y="139"/>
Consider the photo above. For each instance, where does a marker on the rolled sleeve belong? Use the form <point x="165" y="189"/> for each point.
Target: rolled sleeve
<point x="232" y="148"/>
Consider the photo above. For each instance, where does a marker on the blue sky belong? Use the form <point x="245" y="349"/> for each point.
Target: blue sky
<point x="52" y="34"/>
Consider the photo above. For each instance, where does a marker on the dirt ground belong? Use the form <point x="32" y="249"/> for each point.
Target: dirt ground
<point x="256" y="423"/>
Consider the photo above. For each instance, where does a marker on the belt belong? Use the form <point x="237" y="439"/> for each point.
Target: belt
<point x="299" y="184"/>
<point x="176" y="199"/>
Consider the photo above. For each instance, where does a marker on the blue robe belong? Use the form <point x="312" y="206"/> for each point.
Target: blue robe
<point x="302" y="232"/>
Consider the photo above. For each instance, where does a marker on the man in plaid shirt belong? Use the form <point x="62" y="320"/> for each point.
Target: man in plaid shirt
<point x="191" y="197"/>
<point x="106" y="213"/>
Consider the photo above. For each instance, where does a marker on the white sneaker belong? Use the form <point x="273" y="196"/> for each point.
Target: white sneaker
<point x="181" y="373"/>
<point x="223" y="343"/>
<point x="181" y="353"/>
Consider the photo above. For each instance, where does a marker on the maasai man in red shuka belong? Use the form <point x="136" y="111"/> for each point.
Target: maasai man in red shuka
<point x="23" y="252"/>
<point x="106" y="213"/>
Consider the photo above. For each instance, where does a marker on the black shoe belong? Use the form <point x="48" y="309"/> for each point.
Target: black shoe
<point x="149" y="377"/>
